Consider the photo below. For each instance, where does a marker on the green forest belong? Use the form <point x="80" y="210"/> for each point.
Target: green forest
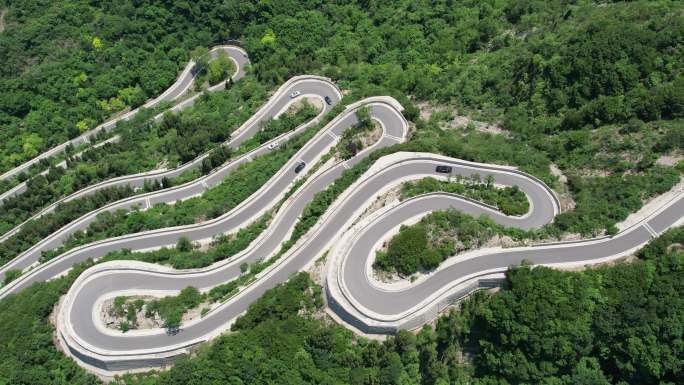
<point x="214" y="202"/>
<point x="472" y="60"/>
<point x="436" y="237"/>
<point x="592" y="90"/>
<point x="611" y="324"/>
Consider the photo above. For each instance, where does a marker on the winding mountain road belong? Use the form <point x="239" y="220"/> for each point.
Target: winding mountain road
<point x="375" y="308"/>
<point x="176" y="90"/>
<point x="362" y="304"/>
<point x="310" y="86"/>
<point x="352" y="293"/>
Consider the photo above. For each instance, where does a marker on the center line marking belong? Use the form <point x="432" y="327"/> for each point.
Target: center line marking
<point x="332" y="134"/>
<point x="398" y="139"/>
<point x="650" y="230"/>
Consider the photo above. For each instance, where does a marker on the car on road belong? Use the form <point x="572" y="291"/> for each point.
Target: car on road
<point x="300" y="166"/>
<point x="273" y="145"/>
<point x="443" y="169"/>
<point x="328" y="100"/>
<point x="294" y="94"/>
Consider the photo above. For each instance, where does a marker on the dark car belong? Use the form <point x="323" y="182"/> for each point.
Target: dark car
<point x="443" y="169"/>
<point x="328" y="100"/>
<point x="299" y="167"/>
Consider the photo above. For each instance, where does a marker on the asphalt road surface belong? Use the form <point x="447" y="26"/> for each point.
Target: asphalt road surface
<point x="178" y="88"/>
<point x="544" y="207"/>
<point x="313" y="86"/>
<point x="181" y="85"/>
<point x="383" y="304"/>
<point x="360" y="301"/>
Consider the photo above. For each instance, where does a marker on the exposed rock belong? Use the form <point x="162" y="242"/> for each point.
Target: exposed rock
<point x="566" y="200"/>
<point x="669" y="160"/>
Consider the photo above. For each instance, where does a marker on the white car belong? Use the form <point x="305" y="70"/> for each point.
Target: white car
<point x="273" y="145"/>
<point x="295" y="94"/>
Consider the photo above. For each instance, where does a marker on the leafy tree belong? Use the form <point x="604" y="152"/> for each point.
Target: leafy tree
<point x="184" y="245"/>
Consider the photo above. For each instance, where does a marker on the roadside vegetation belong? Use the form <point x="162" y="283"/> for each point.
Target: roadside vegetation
<point x="143" y="146"/>
<point x="187" y="256"/>
<point x="436" y="237"/>
<point x="351" y="141"/>
<point x="211" y="71"/>
<point x="127" y="310"/>
<point x="242" y="182"/>
<point x="604" y="319"/>
<point x="172" y="308"/>
<point x="35" y="230"/>
<point x="65" y="213"/>
<point x="508" y="200"/>
<point x="594" y="88"/>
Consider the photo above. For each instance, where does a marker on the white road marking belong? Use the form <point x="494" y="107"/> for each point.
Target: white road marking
<point x="398" y="139"/>
<point x="648" y="228"/>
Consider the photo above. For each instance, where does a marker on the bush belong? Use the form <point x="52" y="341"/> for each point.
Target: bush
<point x="172" y="308"/>
<point x="434" y="238"/>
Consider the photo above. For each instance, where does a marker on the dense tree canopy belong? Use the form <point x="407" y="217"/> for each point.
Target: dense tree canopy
<point x="623" y="323"/>
<point x="595" y="88"/>
<point x="437" y="236"/>
<point x="551" y="74"/>
<point x="619" y="324"/>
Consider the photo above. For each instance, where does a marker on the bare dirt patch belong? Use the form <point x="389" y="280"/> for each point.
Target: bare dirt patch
<point x="626" y="259"/>
<point x="670" y="160"/>
<point x="369" y="138"/>
<point x="317" y="270"/>
<point x="296" y="106"/>
<point x="2" y="20"/>
<point x="501" y="241"/>
<point x="459" y="122"/>
<point x="142" y="322"/>
<point x="564" y="195"/>
<point x="390" y="196"/>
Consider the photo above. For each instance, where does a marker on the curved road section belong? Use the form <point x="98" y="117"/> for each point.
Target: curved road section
<point x="79" y="322"/>
<point x="310" y="87"/>
<point x="273" y="108"/>
<point x="177" y="89"/>
<point x="363" y="303"/>
<point x="372" y="307"/>
<point x="352" y="293"/>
